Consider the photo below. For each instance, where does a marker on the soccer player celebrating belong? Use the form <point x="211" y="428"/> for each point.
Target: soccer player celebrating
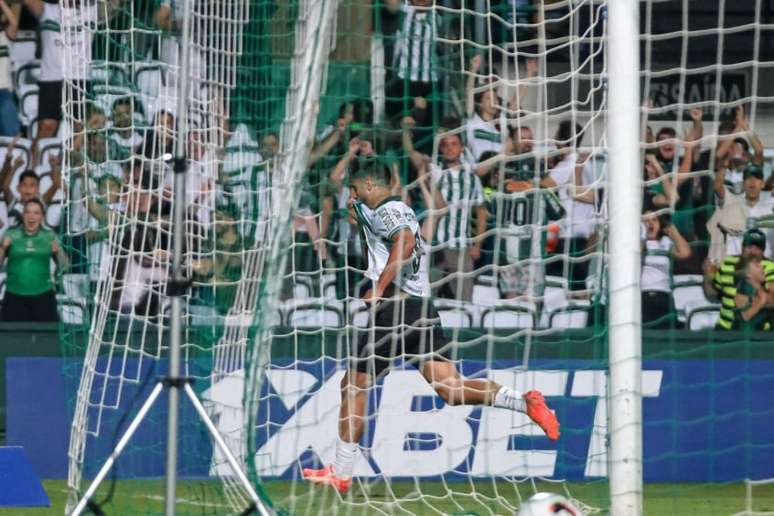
<point x="403" y="324"/>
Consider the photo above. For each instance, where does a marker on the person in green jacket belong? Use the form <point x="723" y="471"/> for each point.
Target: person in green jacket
<point x="29" y="248"/>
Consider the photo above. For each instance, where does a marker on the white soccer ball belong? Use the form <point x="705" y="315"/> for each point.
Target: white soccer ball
<point x="548" y="504"/>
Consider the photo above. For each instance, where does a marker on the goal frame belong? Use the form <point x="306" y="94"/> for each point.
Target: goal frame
<point x="624" y="317"/>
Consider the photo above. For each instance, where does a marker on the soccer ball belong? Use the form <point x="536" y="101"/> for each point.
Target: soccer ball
<point x="547" y="504"/>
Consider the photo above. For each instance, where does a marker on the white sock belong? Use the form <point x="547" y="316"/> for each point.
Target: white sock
<point x="510" y="399"/>
<point x="345" y="458"/>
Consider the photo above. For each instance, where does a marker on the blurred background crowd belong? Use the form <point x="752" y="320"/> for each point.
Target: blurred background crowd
<point x="509" y="190"/>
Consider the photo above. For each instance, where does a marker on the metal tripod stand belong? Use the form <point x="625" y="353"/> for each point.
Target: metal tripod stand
<point x="176" y="288"/>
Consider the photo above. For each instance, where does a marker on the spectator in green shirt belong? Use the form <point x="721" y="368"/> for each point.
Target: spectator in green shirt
<point x="752" y="298"/>
<point x="29" y="248"/>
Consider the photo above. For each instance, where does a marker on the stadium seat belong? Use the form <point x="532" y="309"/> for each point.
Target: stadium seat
<point x="23" y="49"/>
<point x="105" y="95"/>
<point x="512" y="315"/>
<point x="687" y="291"/>
<point x="76" y="286"/>
<point x="54" y="208"/>
<point x="554" y="300"/>
<point x="54" y="214"/>
<point x="32" y="128"/>
<point x="455" y="318"/>
<point x="558" y="309"/>
<point x="456" y="314"/>
<point x="246" y="320"/>
<point x="315" y="316"/>
<point x="102" y="72"/>
<point x="701" y="316"/>
<point x="485" y="295"/>
<point x="27" y="74"/>
<point x="329" y="285"/>
<point x="486" y="280"/>
<point x="47" y="147"/>
<point x="70" y="311"/>
<point x="301" y="291"/>
<point x="358" y="312"/>
<point x="572" y="316"/>
<point x="28" y="103"/>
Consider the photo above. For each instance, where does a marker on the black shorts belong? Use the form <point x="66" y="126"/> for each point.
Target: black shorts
<point x="50" y="100"/>
<point x="408" y="328"/>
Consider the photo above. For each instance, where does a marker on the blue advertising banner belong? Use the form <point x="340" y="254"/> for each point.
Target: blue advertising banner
<point x="705" y="421"/>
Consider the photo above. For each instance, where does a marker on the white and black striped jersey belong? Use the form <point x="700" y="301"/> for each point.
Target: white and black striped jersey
<point x="378" y="227"/>
<point x="461" y="191"/>
<point x="415" y="52"/>
<point x="248" y="189"/>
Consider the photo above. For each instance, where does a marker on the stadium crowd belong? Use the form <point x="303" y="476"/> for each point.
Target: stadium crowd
<point x="511" y="221"/>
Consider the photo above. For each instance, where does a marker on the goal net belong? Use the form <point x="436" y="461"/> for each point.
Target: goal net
<point x="512" y="97"/>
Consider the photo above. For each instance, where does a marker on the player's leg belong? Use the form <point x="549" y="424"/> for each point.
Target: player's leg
<point x="444" y="378"/>
<point x="352" y="413"/>
<point x="352" y="419"/>
<point x="455" y="389"/>
<point x="370" y="360"/>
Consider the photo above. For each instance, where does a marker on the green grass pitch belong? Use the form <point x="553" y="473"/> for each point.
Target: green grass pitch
<point x="206" y="497"/>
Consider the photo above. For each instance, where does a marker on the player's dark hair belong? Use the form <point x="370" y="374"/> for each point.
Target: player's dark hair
<point x="371" y="167"/>
<point x="29" y="173"/>
<point x="569" y="134"/>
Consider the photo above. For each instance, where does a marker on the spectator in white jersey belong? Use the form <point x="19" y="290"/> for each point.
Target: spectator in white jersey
<point x="126" y="139"/>
<point x="463" y="199"/>
<point x="50" y="78"/>
<point x="571" y="172"/>
<point x="9" y="117"/>
<point x="482" y="129"/>
<point x="53" y="72"/>
<point x="661" y="243"/>
<point x="403" y="325"/>
<point x="738" y="213"/>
